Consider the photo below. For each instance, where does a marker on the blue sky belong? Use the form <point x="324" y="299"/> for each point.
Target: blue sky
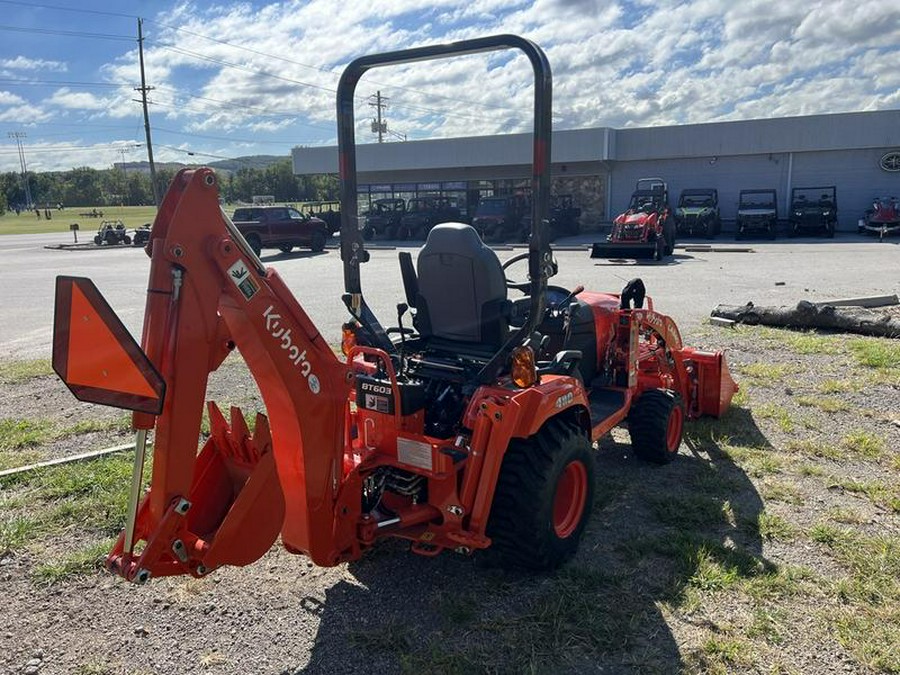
<point x="233" y="79"/>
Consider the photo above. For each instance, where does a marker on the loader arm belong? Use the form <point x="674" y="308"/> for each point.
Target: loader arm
<point x="208" y="295"/>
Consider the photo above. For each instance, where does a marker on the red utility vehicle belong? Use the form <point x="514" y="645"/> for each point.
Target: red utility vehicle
<point x="646" y="229"/>
<point x="471" y="432"/>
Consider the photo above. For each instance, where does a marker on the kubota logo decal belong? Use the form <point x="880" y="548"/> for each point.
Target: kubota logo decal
<point x="298" y="358"/>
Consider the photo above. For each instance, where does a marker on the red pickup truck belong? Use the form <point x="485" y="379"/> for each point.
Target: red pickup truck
<point x="280" y="227"/>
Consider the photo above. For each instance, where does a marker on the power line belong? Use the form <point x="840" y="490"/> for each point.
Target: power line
<point x="68" y="33"/>
<point x="227" y="138"/>
<point x="79" y="10"/>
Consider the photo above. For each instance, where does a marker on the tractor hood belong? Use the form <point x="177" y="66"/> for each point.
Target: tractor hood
<point x="635" y="219"/>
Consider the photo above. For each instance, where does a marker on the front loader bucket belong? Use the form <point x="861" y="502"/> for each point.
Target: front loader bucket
<point x="715" y="384"/>
<point x="231" y="516"/>
<point x="611" y="250"/>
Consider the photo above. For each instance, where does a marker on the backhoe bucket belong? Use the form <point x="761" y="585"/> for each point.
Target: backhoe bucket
<point x="231" y="516"/>
<point x="611" y="250"/>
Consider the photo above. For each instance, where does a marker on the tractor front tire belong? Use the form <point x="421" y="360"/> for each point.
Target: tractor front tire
<point x="656" y="425"/>
<point x="669" y="235"/>
<point x="543" y="499"/>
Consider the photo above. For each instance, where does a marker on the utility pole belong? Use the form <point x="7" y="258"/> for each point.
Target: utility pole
<point x="144" y="89"/>
<point x="18" y="136"/>
<point x="378" y="126"/>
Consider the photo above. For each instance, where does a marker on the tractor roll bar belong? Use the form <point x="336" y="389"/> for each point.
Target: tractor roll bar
<point x="353" y="251"/>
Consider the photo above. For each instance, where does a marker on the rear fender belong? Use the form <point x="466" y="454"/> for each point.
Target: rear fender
<point x="498" y="414"/>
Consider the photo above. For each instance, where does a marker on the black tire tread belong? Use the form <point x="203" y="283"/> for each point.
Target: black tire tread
<point x="648" y="423"/>
<point x="521" y="537"/>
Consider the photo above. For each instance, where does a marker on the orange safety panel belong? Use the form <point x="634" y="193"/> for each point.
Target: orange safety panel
<point x="96" y="356"/>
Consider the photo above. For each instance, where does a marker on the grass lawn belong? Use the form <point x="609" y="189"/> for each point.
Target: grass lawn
<point x="27" y="222"/>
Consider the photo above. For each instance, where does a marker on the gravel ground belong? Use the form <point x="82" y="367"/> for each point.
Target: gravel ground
<point x="711" y="564"/>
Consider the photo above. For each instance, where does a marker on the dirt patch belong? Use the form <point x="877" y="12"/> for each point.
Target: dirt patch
<point x="771" y="545"/>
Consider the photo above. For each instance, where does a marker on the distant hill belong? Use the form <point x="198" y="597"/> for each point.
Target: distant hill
<point x="227" y="165"/>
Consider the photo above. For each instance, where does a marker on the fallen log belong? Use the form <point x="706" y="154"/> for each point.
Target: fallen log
<point x="809" y="315"/>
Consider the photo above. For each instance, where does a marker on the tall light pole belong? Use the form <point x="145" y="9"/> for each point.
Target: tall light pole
<point x="18" y="136"/>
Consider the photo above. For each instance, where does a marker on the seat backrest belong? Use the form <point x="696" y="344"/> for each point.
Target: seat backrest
<point x="462" y="289"/>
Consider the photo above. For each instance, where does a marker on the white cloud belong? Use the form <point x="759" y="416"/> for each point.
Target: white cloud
<point x="615" y="63"/>
<point x="25" y="63"/>
<point x="8" y="98"/>
<point x="76" y="100"/>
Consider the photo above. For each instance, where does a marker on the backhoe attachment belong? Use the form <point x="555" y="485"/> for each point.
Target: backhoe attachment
<point x="209" y="295"/>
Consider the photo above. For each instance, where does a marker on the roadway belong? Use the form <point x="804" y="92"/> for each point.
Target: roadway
<point x="686" y="286"/>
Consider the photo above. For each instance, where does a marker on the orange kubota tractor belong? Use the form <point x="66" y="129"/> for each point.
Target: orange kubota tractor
<point x="471" y="430"/>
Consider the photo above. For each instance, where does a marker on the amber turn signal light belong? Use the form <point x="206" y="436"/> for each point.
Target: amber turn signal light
<point x="523" y="370"/>
<point x="348" y="338"/>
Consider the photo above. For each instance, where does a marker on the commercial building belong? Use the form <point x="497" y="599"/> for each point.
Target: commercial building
<point x="859" y="153"/>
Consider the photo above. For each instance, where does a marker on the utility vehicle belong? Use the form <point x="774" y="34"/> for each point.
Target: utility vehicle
<point x="813" y="209"/>
<point x="698" y="212"/>
<point x="500" y="217"/>
<point x="423" y="213"/>
<point x="757" y="212"/>
<point x="384" y="216"/>
<point x="471" y="430"/>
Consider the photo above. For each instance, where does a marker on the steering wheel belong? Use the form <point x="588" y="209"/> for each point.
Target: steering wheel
<point x="523" y="286"/>
<point x="555" y="294"/>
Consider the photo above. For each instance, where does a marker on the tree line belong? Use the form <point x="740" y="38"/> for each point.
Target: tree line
<point x="85" y="186"/>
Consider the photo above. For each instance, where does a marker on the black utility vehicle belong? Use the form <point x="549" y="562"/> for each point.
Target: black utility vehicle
<point x="813" y="209"/>
<point x="384" y="216"/>
<point x="423" y="213"/>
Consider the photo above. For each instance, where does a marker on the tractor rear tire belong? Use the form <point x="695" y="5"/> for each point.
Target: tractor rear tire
<point x="543" y="499"/>
<point x="656" y="425"/>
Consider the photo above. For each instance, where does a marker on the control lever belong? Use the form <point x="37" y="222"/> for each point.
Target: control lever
<point x="402" y="308"/>
<point x="568" y="298"/>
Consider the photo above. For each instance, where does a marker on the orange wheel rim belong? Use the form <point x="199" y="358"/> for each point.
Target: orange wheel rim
<point x="570" y="498"/>
<point x="673" y="431"/>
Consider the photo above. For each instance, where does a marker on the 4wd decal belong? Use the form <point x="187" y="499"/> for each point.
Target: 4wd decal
<point x="565" y="399"/>
<point x="298" y="358"/>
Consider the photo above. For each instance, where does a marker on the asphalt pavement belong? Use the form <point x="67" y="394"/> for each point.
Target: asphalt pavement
<point x="687" y="286"/>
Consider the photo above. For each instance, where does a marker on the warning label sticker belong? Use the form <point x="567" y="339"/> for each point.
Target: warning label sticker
<point x="380" y="404"/>
<point x="241" y="277"/>
<point x="414" y="453"/>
